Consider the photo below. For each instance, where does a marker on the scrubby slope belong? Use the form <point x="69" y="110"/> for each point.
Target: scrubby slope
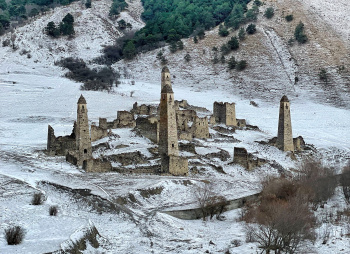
<point x="273" y="65"/>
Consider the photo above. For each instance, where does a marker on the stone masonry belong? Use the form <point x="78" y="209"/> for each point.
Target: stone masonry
<point x="245" y="159"/>
<point x="284" y="135"/>
<point x="83" y="141"/>
<point x="168" y="143"/>
<point x="225" y="113"/>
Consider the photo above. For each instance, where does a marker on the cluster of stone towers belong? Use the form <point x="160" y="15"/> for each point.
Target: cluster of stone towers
<point x="168" y="144"/>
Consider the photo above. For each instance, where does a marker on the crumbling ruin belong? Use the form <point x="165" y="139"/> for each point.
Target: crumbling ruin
<point x="245" y="159"/>
<point x="77" y="146"/>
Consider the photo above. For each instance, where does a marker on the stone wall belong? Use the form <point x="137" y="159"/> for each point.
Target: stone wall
<point x="148" y="127"/>
<point x="60" y="145"/>
<point x="225" y="113"/>
<point x="196" y="213"/>
<point x="245" y="159"/>
<point x="98" y="133"/>
<point x="99" y="166"/>
<point x="200" y="127"/>
<point x="241" y="123"/>
<point x="125" y="119"/>
<point x="299" y="144"/>
<point x="144" y="109"/>
<point x="178" y="165"/>
<point x="104" y="124"/>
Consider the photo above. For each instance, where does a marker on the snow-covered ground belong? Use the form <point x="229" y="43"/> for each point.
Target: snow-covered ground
<point x="38" y="97"/>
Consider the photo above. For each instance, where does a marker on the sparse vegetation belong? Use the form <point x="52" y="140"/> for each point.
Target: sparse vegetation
<point x="241" y="65"/>
<point x="232" y="63"/>
<point x="38" y="198"/>
<point x="233" y="43"/>
<point x="223" y="32"/>
<point x="241" y="34"/>
<point x="345" y="183"/>
<point x="299" y="33"/>
<point x="53" y="210"/>
<point x="269" y="12"/>
<point x="96" y="80"/>
<point x="14" y="235"/>
<point x="65" y="27"/>
<point x="323" y="75"/>
<point x="289" y="18"/>
<point x="283" y="217"/>
<point x="251" y="29"/>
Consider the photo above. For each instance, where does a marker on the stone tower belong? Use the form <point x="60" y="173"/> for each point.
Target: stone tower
<point x="165" y="77"/>
<point x="83" y="140"/>
<point x="225" y="113"/>
<point x="167" y="125"/>
<point x="168" y="144"/>
<point x="284" y="135"/>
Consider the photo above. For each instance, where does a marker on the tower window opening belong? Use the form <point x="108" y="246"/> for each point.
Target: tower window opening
<point x="172" y="145"/>
<point x="85" y="150"/>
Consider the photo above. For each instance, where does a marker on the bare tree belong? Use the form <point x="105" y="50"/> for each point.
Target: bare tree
<point x="209" y="203"/>
<point x="345" y="182"/>
<point x="317" y="181"/>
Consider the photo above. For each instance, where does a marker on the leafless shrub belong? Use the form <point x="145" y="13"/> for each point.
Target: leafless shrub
<point x="325" y="233"/>
<point x="38" y="198"/>
<point x="6" y="43"/>
<point x="209" y="203"/>
<point x="14" y="235"/>
<point x="236" y="242"/>
<point x="283" y="217"/>
<point x="345" y="182"/>
<point x="53" y="210"/>
<point x="317" y="182"/>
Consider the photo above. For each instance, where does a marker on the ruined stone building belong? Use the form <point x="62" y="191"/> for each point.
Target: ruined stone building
<point x="148" y="127"/>
<point x="77" y="146"/>
<point x="144" y="109"/>
<point x="125" y="119"/>
<point x="245" y="159"/>
<point x="168" y="140"/>
<point x="225" y="113"/>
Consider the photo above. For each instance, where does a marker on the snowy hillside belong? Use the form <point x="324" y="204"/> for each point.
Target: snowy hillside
<point x="127" y="215"/>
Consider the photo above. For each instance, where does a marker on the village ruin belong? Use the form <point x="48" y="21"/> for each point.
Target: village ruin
<point x="168" y="125"/>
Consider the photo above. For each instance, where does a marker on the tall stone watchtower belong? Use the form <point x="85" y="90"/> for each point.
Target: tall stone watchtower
<point x="83" y="140"/>
<point x="165" y="77"/>
<point x="168" y="143"/>
<point x="284" y="135"/>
